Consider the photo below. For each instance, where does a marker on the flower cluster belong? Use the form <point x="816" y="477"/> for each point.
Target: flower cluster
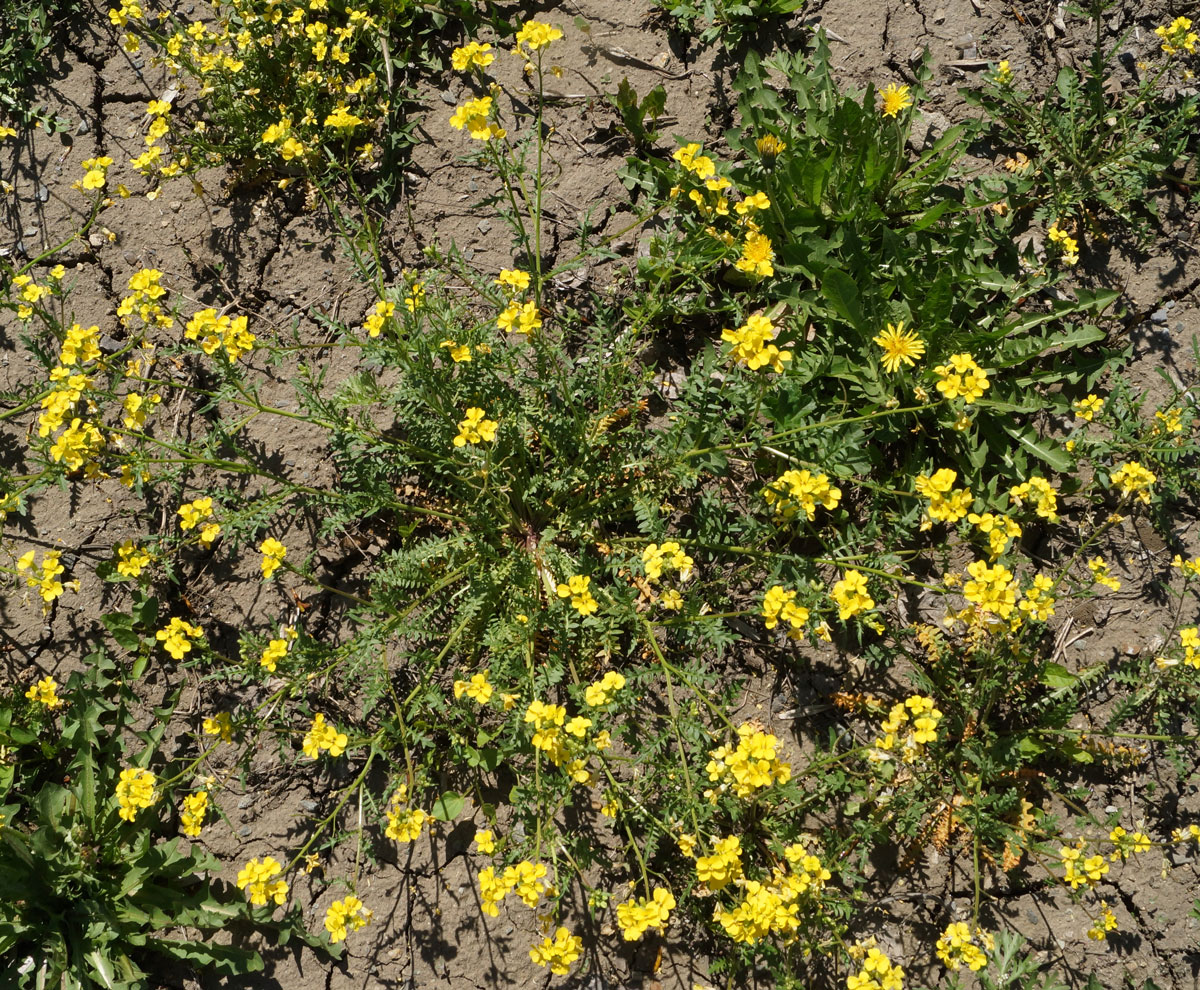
<point x="135" y="790"/>
<point x="780" y="603"/>
<point x="31" y="293"/>
<point x="192" y="514"/>
<point x="536" y="35"/>
<point x="1081" y="871"/>
<point x="191" y="818"/>
<point x="1067" y="246"/>
<point x="1088" y="408"/>
<point x="753" y="344"/>
<point x="1100" y="574"/>
<point x="345" y="916"/>
<point x="145" y="298"/>
<point x="801" y="491"/>
<point x="213" y="331"/>
<point x="1038" y="600"/>
<point x="921" y="716"/>
<point x="257" y="879"/>
<point x="723" y="866"/>
<point x="1126" y="844"/>
<point x="273" y="553"/>
<point x="992" y="589"/>
<point x="219" y="725"/>
<point x="750" y="766"/>
<point x="524" y="878"/>
<point x="600" y="693"/>
<point x="1040" y="493"/>
<point x="946" y="503"/>
<point x="177" y="637"/>
<point x="576" y="589"/>
<point x="95" y="174"/>
<point x="277" y="649"/>
<point x="131" y="559"/>
<point x="1105" y="923"/>
<point x="773" y="907"/>
<point x="322" y="736"/>
<point x="1134" y="480"/>
<point x="473" y="115"/>
<point x="559" y="952"/>
<point x="957" y="946"/>
<point x="404" y="825"/>
<point x="472" y="55"/>
<point x="962" y="378"/>
<point x="45" y="692"/>
<point x="669" y="556"/>
<point x="475" y="428"/>
<point x="851" y="596"/>
<point x="45" y="577"/>
<point x="1178" y="36"/>
<point x="999" y="530"/>
<point x="876" y="970"/>
<point x="637" y="916"/>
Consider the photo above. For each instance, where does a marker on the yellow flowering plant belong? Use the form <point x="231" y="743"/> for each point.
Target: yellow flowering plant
<point x="81" y="814"/>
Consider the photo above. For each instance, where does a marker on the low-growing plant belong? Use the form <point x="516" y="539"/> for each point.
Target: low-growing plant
<point x="1093" y="150"/>
<point x="97" y="878"/>
<point x="728" y="20"/>
<point x="570" y="566"/>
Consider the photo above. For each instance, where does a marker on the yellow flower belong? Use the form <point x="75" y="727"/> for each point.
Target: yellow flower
<point x="637" y="916"/>
<point x="894" y="99"/>
<point x="601" y="692"/>
<point x="477" y="688"/>
<point x="962" y="378"/>
<point x="342" y="119"/>
<point x="45" y="692"/>
<point x="485" y="841"/>
<point x="900" y="347"/>
<point x="405" y="826"/>
<point x="851" y="595"/>
<point x="576" y="589"/>
<point x="345" y="916"/>
<point x="177" y="637"/>
<point x="757" y="255"/>
<point x="459" y="353"/>
<point x="191" y="818"/>
<point x="257" y="880"/>
<point x="273" y="553"/>
<point x="1134" y="480"/>
<point x="472" y="55"/>
<point x="536" y="35"/>
<point x="220" y="725"/>
<point x="558" y="953"/>
<point x="135" y="790"/>
<point x="322" y="736"/>
<point x="475" y="429"/>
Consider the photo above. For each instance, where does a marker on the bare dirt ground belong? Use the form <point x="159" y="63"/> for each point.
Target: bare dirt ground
<point x="279" y="261"/>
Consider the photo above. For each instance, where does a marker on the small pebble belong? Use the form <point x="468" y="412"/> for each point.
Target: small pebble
<point x="245" y="831"/>
<point x="245" y="802"/>
<point x="308" y="805"/>
<point x="83" y="126"/>
<point x="1158" y="316"/>
<point x="1112" y="809"/>
<point x="43" y="193"/>
<point x="449" y="98"/>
